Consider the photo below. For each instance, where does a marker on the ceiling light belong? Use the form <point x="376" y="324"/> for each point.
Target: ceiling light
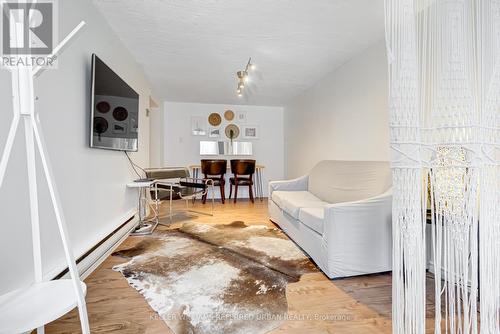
<point x="243" y="76"/>
<point x="250" y="65"/>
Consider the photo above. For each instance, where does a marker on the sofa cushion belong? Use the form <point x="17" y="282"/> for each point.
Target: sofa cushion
<point x="277" y="197"/>
<point x="345" y="181"/>
<point x="313" y="218"/>
<point x="292" y="201"/>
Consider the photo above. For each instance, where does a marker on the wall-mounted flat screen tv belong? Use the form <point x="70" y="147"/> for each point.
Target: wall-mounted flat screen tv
<point x="115" y="110"/>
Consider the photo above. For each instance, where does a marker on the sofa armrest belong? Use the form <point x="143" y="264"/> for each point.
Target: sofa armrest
<point x="298" y="184"/>
<point x="358" y="235"/>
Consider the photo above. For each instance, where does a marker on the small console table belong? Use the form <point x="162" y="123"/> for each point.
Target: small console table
<point x="145" y="226"/>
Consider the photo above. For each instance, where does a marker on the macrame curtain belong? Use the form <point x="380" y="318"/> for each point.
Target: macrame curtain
<point x="444" y="72"/>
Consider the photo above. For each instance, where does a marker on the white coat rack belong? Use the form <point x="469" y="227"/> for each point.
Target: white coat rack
<point x="32" y="307"/>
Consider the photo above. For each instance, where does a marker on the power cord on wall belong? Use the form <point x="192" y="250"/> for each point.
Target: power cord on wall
<point x="134" y="165"/>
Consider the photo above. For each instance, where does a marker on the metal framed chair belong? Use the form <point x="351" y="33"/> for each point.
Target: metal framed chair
<point x="215" y="170"/>
<point x="188" y="189"/>
<point x="175" y="183"/>
<point x="243" y="171"/>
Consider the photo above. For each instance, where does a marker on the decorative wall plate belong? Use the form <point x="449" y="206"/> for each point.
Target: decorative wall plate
<point x="214" y="119"/>
<point x="232" y="131"/>
<point x="103" y="107"/>
<point x="120" y="114"/>
<point x="229" y="115"/>
<point x="100" y="125"/>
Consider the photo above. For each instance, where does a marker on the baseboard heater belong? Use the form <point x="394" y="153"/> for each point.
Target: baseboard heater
<point x="89" y="261"/>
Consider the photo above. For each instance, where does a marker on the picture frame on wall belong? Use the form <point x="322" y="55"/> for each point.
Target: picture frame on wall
<point x="241" y="117"/>
<point x="251" y="132"/>
<point x="214" y="132"/>
<point x="198" y="126"/>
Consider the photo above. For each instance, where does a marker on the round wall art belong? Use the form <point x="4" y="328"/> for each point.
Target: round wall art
<point x="232" y="131"/>
<point x="120" y="114"/>
<point x="103" y="107"/>
<point x="100" y="125"/>
<point x="214" y="119"/>
<point x="229" y="115"/>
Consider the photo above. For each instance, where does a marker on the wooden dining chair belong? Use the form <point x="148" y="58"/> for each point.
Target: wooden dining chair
<point x="215" y="169"/>
<point x="243" y="170"/>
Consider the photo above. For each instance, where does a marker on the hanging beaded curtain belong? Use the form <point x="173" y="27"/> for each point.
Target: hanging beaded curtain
<point x="444" y="72"/>
<point x="489" y="221"/>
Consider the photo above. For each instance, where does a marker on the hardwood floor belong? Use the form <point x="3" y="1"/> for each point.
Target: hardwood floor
<point x="316" y="304"/>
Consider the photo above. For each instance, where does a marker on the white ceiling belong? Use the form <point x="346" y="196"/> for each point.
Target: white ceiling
<point x="190" y="50"/>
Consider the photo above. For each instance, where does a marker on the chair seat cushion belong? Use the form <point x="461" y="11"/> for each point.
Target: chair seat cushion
<point x="313" y="218"/>
<point x="196" y="185"/>
<point x="164" y="194"/>
<point x="178" y="192"/>
<point x="188" y="191"/>
<point x="242" y="181"/>
<point x="292" y="201"/>
<point x="217" y="180"/>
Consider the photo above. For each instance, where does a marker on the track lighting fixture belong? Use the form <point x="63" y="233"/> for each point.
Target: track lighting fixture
<point x="243" y="77"/>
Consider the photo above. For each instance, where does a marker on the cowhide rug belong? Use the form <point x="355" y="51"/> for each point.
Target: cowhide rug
<point x="216" y="278"/>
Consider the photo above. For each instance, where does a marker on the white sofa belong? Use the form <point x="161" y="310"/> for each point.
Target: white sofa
<point x="340" y="214"/>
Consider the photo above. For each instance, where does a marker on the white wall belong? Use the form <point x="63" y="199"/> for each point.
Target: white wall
<point x="342" y="117"/>
<point x="91" y="182"/>
<point x="156" y="145"/>
<point x="182" y="149"/>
